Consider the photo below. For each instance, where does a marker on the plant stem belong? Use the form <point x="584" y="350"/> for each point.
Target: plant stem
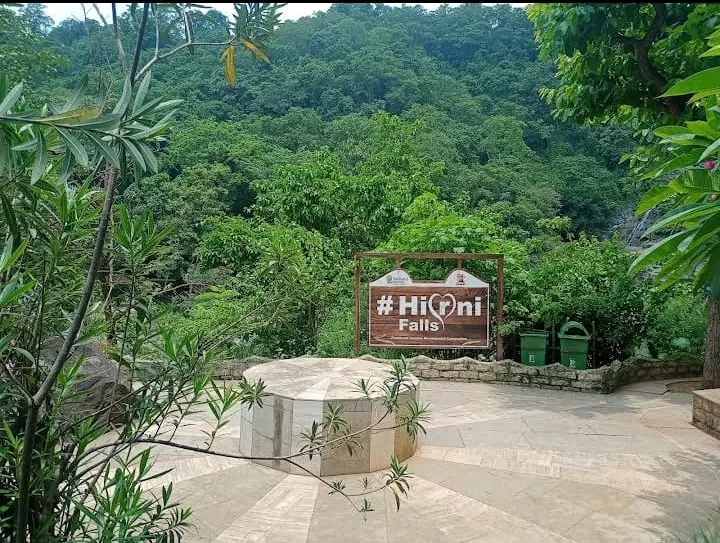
<point x="138" y="42"/>
<point x="37" y="399"/>
<point x="62" y="356"/>
<point x="23" y="510"/>
<point x="118" y="39"/>
<point x="17" y="383"/>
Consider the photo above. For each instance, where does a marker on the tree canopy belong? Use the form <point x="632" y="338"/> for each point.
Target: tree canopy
<point x="614" y="60"/>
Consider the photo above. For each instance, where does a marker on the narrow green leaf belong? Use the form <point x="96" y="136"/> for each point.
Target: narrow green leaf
<point x="712" y="52"/>
<point x="687" y="158"/>
<point x="8" y="256"/>
<point x="9" y="215"/>
<point x="105" y="150"/>
<point x="40" y="164"/>
<point x="26" y="146"/>
<point x="124" y="102"/>
<point x="68" y="164"/>
<point x="12" y="97"/>
<point x="702" y="81"/>
<point x="106" y="123"/>
<point x="4" y="342"/>
<point x="160" y="127"/>
<point x="13" y="290"/>
<point x="74" y="145"/>
<point x="154" y="107"/>
<point x="675" y="217"/>
<point x="710" y="149"/>
<point x="700" y="95"/>
<point x="661" y="250"/>
<point x="709" y="230"/>
<point x="74" y="98"/>
<point x="74" y="116"/>
<point x="709" y="274"/>
<point x="702" y="128"/>
<point x="714" y="38"/>
<point x="141" y="92"/>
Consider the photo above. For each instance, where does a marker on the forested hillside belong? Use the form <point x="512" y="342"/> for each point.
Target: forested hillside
<point x="180" y="191"/>
<point x="467" y="77"/>
<point x="370" y="127"/>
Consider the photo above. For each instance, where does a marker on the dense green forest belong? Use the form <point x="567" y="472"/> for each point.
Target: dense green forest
<point x="159" y="215"/>
<point x="375" y="127"/>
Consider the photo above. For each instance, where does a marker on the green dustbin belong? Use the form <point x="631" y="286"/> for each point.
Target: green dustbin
<point x="574" y="348"/>
<point x="532" y="347"/>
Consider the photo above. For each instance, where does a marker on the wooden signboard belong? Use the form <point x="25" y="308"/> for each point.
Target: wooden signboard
<point x="449" y="314"/>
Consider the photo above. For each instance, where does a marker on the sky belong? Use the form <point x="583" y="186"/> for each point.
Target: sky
<point x="292" y="11"/>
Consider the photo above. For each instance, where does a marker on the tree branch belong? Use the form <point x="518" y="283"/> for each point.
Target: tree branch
<point x="641" y="48"/>
<point x="160" y="56"/>
<point x="241" y="457"/>
<point x="17" y="383"/>
<point x="64" y="352"/>
<point x="116" y="33"/>
<point x="139" y="40"/>
<point x="118" y="39"/>
<point x="157" y="30"/>
<point x="658" y="24"/>
<point x="37" y="399"/>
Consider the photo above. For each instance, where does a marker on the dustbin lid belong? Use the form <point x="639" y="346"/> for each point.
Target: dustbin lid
<point x="569" y="325"/>
<point x="533" y="333"/>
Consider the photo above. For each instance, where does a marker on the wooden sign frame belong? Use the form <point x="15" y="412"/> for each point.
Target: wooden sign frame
<point x="458" y="257"/>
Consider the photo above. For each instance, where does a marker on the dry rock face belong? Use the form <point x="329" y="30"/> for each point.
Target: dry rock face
<point x="97" y="384"/>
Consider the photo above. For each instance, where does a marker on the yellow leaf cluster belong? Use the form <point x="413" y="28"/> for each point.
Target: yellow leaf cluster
<point x="229" y="57"/>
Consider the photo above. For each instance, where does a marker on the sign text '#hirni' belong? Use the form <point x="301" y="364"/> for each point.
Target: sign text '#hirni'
<point x="454" y="312"/>
<point x="446" y="306"/>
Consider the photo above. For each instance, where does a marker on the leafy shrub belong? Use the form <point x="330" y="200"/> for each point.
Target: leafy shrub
<point x="588" y="281"/>
<point x="290" y="274"/>
<point x="677" y="322"/>
<point x="336" y="336"/>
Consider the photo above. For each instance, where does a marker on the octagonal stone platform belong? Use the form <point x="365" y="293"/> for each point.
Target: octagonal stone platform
<point x="299" y="392"/>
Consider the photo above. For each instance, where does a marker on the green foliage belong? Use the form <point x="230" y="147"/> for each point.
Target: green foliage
<point x="59" y="482"/>
<point x="336" y="335"/>
<point x="361" y="208"/>
<point x="688" y="156"/>
<point x="22" y="48"/>
<point x="589" y="192"/>
<point x="677" y="322"/>
<point x="587" y="281"/>
<point x="613" y="60"/>
<point x="184" y="204"/>
<point x="289" y="272"/>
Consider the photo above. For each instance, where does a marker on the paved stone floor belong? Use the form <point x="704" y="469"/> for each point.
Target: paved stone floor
<point x="499" y="463"/>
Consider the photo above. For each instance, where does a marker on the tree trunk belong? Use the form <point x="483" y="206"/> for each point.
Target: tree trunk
<point x="711" y="372"/>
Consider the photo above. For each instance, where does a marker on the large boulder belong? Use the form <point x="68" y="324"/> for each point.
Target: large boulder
<point x="98" y="384"/>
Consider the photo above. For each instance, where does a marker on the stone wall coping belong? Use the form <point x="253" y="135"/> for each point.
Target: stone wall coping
<point x="706" y="411"/>
<point x="711" y="394"/>
<point x="603" y="380"/>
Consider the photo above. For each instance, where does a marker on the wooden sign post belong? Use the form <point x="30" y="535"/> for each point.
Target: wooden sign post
<point x="409" y="313"/>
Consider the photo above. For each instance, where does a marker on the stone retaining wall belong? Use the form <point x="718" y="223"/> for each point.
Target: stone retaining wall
<point x="706" y="411"/>
<point x="555" y="376"/>
<point x="234" y="369"/>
